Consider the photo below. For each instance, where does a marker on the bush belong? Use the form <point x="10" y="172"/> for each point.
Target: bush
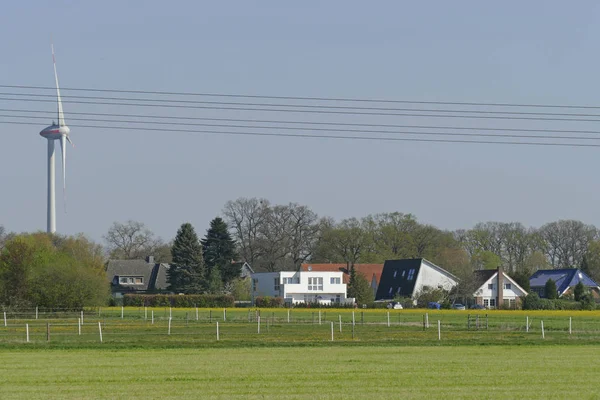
<point x="268" y="302"/>
<point x="533" y="302"/>
<point x="187" y="300"/>
<point x="587" y="302"/>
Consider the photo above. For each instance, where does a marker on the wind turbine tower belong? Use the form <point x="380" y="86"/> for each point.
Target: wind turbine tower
<point x="57" y="131"/>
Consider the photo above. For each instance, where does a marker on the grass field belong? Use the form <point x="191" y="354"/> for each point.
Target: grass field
<point x="149" y="328"/>
<point x="470" y="372"/>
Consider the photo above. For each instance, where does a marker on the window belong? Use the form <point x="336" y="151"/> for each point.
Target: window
<point x="486" y="302"/>
<point x="338" y="298"/>
<point x="492" y="302"/>
<point x="403" y="273"/>
<point x="490" y="286"/>
<point x="131" y="280"/>
<point x="276" y="284"/>
<point x="411" y="274"/>
<point x="315" y="283"/>
<point x="391" y="290"/>
<point x="507" y="286"/>
<point x="399" y="289"/>
<point x="254" y="284"/>
<point x="138" y="281"/>
<point x="335" y="281"/>
<point x="395" y="273"/>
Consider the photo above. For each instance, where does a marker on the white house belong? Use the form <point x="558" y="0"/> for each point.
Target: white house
<point x="408" y="277"/>
<point x="294" y="287"/>
<point x="495" y="289"/>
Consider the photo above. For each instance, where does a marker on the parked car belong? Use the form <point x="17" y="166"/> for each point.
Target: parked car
<point x="394" y="305"/>
<point x="458" y="306"/>
<point x="477" y="307"/>
<point x="433" y="304"/>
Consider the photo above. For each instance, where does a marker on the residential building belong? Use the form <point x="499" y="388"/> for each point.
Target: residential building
<point x="408" y="277"/>
<point x="136" y="276"/>
<point x="495" y="289"/>
<point x="566" y="279"/>
<point x="295" y="287"/>
<point x="371" y="272"/>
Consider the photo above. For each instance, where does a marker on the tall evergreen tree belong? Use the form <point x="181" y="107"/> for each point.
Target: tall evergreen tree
<point x="352" y="282"/>
<point x="187" y="272"/>
<point x="215" y="283"/>
<point x="219" y="250"/>
<point x="550" y="289"/>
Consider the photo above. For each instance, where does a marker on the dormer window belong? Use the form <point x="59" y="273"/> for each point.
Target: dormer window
<point x="131" y="280"/>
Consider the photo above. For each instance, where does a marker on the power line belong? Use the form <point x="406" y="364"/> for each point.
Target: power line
<point x="288" y="122"/>
<point x="504" y="117"/>
<point x="301" y="106"/>
<point x="341" y="130"/>
<point x="363" y="100"/>
<point x="319" y="136"/>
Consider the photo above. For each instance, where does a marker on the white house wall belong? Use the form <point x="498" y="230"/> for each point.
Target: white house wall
<point x="263" y="284"/>
<point x="433" y="278"/>
<point x="510" y="294"/>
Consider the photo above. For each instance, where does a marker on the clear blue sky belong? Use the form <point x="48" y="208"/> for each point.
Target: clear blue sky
<point x="510" y="51"/>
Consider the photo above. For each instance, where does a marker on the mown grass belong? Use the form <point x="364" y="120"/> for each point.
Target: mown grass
<point x="468" y="372"/>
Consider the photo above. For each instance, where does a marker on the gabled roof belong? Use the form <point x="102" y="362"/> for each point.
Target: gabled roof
<point x="395" y="278"/>
<point x="484" y="275"/>
<point x="564" y="278"/>
<point x="368" y="271"/>
<point x="154" y="275"/>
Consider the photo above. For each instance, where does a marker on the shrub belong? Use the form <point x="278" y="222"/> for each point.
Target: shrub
<point x="268" y="302"/>
<point x="550" y="289"/>
<point x="187" y="300"/>
<point x="533" y="302"/>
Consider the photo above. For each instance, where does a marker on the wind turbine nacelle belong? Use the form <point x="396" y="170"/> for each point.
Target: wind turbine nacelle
<point x="55" y="131"/>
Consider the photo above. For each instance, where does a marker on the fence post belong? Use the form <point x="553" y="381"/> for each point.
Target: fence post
<point x="4" y="318"/>
<point x="224" y="314"/>
<point x="353" y="319"/>
<point x="319" y="317"/>
<point x="36" y="312"/>
<point x="196" y="313"/>
<point x="27" y="331"/>
<point x="353" y="330"/>
<point x="82" y="317"/>
<point x="169" y="326"/>
<point x="340" y="318"/>
<point x="388" y="319"/>
<point x="527" y="324"/>
<point x="122" y="311"/>
<point x="145" y="313"/>
<point x="152" y="317"/>
<point x="47" y="331"/>
<point x="570" y="322"/>
<point x="100" y="330"/>
<point x="543" y="336"/>
<point x="288" y="318"/>
<point x="427" y="320"/>
<point x="258" y="327"/>
<point x="170" y="312"/>
<point x="439" y="330"/>
<point x="217" y="331"/>
<point x="332" y="331"/>
<point x="423" y="321"/>
<point x="79" y="326"/>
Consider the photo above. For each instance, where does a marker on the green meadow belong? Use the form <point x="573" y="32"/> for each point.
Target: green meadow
<point x="357" y="372"/>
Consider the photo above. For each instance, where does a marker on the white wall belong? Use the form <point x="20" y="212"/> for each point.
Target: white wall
<point x="264" y="285"/>
<point x="433" y="276"/>
<point x="511" y="293"/>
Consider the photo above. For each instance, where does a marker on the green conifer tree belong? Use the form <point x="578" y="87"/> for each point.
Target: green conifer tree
<point x="187" y="272"/>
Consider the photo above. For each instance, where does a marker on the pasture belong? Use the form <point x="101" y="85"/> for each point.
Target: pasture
<point x="415" y="372"/>
<point x="164" y="327"/>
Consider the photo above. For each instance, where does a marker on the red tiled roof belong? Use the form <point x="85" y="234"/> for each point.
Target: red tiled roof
<point x="366" y="270"/>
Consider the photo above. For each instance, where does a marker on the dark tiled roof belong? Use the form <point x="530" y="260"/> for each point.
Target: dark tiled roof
<point x="395" y="278"/>
<point x="482" y="276"/>
<point x="153" y="275"/>
<point x="564" y="278"/>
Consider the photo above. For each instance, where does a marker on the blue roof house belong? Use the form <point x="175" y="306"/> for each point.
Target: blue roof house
<point x="565" y="280"/>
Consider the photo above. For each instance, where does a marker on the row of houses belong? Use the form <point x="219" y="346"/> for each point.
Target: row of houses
<point x="328" y="283"/>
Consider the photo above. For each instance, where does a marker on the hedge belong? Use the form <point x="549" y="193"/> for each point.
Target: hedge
<point x="268" y="302"/>
<point x="182" y="300"/>
<point x="533" y="302"/>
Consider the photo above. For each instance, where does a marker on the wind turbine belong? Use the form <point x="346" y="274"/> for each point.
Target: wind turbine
<point x="57" y="131"/>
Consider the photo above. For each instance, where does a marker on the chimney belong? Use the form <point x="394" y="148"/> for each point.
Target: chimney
<point x="500" y="300"/>
<point x="150" y="259"/>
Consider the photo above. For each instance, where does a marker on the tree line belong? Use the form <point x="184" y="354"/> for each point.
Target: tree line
<point x="274" y="237"/>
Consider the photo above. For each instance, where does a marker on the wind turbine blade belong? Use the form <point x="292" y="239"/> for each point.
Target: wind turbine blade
<point x="61" y="116"/>
<point x="63" y="151"/>
<point x="69" y="139"/>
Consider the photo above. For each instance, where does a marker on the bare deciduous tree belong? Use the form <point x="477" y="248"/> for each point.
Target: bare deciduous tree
<point x="132" y="240"/>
